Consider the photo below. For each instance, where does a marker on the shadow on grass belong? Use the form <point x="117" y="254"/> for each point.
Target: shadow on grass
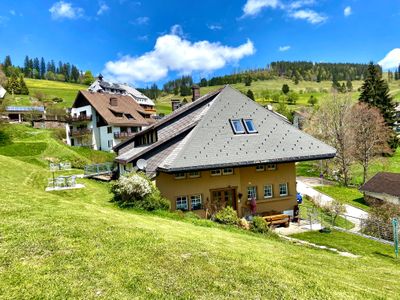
<point x="361" y="200"/>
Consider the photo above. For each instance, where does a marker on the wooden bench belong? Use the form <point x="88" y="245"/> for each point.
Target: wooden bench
<point x="280" y="219"/>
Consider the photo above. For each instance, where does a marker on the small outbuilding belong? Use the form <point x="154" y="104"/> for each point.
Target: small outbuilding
<point x="2" y="92"/>
<point x="384" y="186"/>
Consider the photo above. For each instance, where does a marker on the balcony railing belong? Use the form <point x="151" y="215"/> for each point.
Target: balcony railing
<point x="79" y="118"/>
<point x="150" y="110"/>
<point x="123" y="135"/>
<point x="81" y="132"/>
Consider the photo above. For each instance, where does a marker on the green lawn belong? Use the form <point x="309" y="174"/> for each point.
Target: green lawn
<point x="345" y="195"/>
<point x="350" y="243"/>
<point x="323" y="218"/>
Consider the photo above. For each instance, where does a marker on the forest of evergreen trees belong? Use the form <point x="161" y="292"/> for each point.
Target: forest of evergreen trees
<point x="40" y="69"/>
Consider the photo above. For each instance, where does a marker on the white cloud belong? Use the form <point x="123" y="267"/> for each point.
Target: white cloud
<point x="172" y="52"/>
<point x="142" y="21"/>
<point x="103" y="8"/>
<point x="214" y="27"/>
<point x="309" y="15"/>
<point x="347" y="11"/>
<point x="62" y="9"/>
<point x="12" y="12"/>
<point x="391" y="60"/>
<point x="143" y="37"/>
<point x="253" y="7"/>
<point x="284" y="48"/>
<point x="300" y="4"/>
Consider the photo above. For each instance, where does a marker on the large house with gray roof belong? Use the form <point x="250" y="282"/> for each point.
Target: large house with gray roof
<point x="223" y="149"/>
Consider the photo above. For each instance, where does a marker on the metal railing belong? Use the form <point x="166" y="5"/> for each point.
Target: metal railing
<point x="80" y="132"/>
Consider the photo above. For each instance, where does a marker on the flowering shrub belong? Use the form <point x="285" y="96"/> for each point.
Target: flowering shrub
<point x="227" y="216"/>
<point x="136" y="190"/>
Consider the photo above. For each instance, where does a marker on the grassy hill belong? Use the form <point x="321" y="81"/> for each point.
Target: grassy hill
<point x="68" y="91"/>
<point x="77" y="244"/>
<point x="50" y="89"/>
<point x="304" y="88"/>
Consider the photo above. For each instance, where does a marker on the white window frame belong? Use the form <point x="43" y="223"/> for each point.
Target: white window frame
<point x="180" y="175"/>
<point x="194" y="174"/>
<point x="247" y="128"/>
<point x="235" y="131"/>
<point x="216" y="172"/>
<point x="260" y="168"/>
<point x="271" y="167"/>
<point x="254" y="192"/>
<point x="280" y="189"/>
<point x="197" y="198"/>
<point x="227" y="171"/>
<point x="182" y="200"/>
<point x="272" y="191"/>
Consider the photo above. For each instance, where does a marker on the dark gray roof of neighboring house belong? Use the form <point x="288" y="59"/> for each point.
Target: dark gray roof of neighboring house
<point x="383" y="183"/>
<point x="213" y="144"/>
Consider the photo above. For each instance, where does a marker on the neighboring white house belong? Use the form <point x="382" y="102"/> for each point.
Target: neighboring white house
<point x="101" y="120"/>
<point x="102" y="86"/>
<point x="2" y="92"/>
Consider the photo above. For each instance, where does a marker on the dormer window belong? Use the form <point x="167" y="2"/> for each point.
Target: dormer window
<point x="237" y="126"/>
<point x="250" y="128"/>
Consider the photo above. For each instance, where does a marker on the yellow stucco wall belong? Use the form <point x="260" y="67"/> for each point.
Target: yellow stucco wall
<point x="241" y="179"/>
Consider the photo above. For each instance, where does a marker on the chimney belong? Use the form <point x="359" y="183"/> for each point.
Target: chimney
<point x="113" y="101"/>
<point x="100" y="77"/>
<point x="195" y="92"/>
<point x="175" y="103"/>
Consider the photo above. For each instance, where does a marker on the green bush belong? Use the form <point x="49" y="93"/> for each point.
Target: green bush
<point x="259" y="225"/>
<point x="227" y="216"/>
<point x="136" y="190"/>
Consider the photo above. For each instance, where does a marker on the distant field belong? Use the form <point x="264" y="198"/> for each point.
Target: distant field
<point x="304" y="88"/>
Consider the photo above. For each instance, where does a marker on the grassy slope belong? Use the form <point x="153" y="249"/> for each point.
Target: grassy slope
<point x="51" y="242"/>
<point x="348" y="242"/>
<point x="345" y="195"/>
<point x="76" y="244"/>
<point x="163" y="104"/>
<point x="51" y="89"/>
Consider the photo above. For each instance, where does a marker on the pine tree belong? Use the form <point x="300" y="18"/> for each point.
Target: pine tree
<point x="375" y="92"/>
<point x="42" y="68"/>
<point x="250" y="94"/>
<point x="36" y="67"/>
<point x="27" y="70"/>
<point x="7" y="66"/>
<point x="22" y="86"/>
<point x="13" y="86"/>
<point x="349" y="85"/>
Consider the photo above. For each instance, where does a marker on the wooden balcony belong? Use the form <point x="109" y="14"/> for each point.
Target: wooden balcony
<point x="79" y="119"/>
<point x="123" y="135"/>
<point x="81" y="132"/>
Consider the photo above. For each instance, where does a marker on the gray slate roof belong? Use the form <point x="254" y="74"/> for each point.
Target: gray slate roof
<point x="212" y="143"/>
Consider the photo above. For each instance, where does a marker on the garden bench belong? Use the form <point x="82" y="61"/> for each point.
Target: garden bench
<point x="280" y="219"/>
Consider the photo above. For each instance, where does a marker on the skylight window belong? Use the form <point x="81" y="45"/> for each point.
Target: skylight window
<point x="250" y="128"/>
<point x="237" y="126"/>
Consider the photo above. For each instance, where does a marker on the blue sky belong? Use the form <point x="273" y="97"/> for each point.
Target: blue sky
<point x="152" y="41"/>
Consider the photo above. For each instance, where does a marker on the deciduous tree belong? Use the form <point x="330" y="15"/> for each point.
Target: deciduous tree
<point x="369" y="135"/>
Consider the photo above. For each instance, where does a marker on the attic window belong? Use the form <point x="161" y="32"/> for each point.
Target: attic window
<point x="117" y="114"/>
<point x="250" y="128"/>
<point x="237" y="126"/>
<point x="129" y="116"/>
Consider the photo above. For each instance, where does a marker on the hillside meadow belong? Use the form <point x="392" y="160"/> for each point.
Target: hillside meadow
<point x="77" y="244"/>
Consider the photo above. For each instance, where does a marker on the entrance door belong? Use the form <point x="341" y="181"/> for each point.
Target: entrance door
<point x="226" y="197"/>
